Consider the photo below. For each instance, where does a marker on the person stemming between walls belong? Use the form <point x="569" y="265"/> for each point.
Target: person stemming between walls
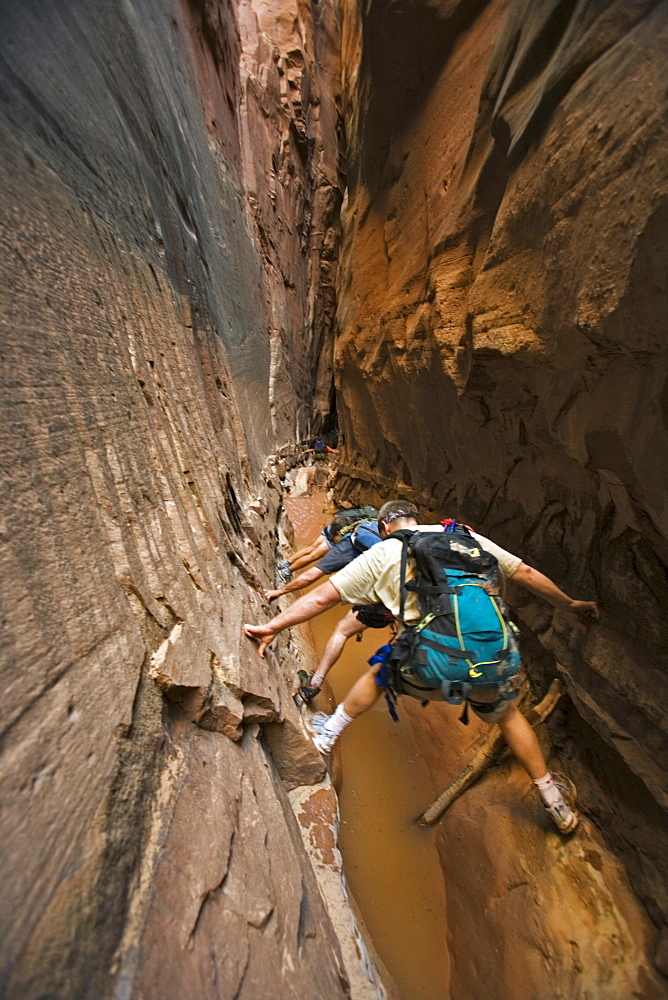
<point x="310" y="553"/>
<point x="356" y="621"/>
<point x="333" y="538"/>
<point x="322" y="543"/>
<point x="338" y="551"/>
<point x="375" y="576"/>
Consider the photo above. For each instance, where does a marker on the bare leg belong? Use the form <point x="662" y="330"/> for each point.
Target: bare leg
<point x="347" y="627"/>
<point x="310" y="554"/>
<point x="558" y="793"/>
<point x="523" y="742"/>
<point x="363" y="695"/>
<point x="301" y="559"/>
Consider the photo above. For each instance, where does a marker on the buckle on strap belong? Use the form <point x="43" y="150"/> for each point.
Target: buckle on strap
<point x="455" y="692"/>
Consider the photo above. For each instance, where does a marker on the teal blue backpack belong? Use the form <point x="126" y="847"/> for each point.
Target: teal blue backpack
<point x="464" y="640"/>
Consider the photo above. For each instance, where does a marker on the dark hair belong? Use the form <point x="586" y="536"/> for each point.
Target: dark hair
<point x="394" y="509"/>
<point x="339" y="521"/>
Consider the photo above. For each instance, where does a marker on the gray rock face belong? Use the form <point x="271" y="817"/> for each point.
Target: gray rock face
<point x="169" y="187"/>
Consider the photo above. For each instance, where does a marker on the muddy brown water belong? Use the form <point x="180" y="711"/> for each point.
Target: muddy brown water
<point x="391" y="864"/>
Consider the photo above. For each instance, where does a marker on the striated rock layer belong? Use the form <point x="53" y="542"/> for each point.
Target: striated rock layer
<point x="170" y="192"/>
<point x="502" y="354"/>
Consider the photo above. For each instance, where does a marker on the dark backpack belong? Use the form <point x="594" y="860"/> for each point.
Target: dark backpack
<point x="348" y="519"/>
<point x="464" y="639"/>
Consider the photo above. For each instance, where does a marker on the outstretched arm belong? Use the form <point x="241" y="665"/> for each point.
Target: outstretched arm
<point x="303" y="580"/>
<point x="309" y="606"/>
<point x="583" y="611"/>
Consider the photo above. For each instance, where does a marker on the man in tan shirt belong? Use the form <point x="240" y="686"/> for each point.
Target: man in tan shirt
<point x="374" y="577"/>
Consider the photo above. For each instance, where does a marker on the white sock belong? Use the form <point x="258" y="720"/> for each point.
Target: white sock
<point x="337" y="722"/>
<point x="548" y="791"/>
<point x="316" y="680"/>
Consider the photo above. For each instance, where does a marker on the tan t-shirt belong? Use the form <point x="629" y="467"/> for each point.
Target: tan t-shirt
<point x="373" y="578"/>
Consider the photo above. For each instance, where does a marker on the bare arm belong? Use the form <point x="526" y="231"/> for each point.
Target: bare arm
<point x="303" y="580"/>
<point x="309" y="606"/>
<point x="538" y="583"/>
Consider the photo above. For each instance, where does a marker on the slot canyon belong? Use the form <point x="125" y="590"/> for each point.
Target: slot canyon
<point x="436" y="229"/>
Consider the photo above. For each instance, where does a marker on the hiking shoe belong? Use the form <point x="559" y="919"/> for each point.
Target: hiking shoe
<point x="306" y="690"/>
<point x="283" y="571"/>
<point x="316" y="725"/>
<point x="564" y="815"/>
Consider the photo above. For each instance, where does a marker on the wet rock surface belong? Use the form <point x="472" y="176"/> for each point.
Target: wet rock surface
<point x="501" y="358"/>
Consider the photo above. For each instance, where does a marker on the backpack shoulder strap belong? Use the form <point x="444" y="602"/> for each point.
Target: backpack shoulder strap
<point x="364" y="534"/>
<point x="404" y="535"/>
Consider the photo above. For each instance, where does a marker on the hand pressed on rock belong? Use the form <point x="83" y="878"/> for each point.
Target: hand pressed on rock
<point x="271" y="595"/>
<point x="583" y="613"/>
<point x="263" y="633"/>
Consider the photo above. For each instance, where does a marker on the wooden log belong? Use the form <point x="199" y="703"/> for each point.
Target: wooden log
<point x="488" y="753"/>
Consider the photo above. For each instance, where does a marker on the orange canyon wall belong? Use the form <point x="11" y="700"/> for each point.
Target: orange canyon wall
<point x="502" y="349"/>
